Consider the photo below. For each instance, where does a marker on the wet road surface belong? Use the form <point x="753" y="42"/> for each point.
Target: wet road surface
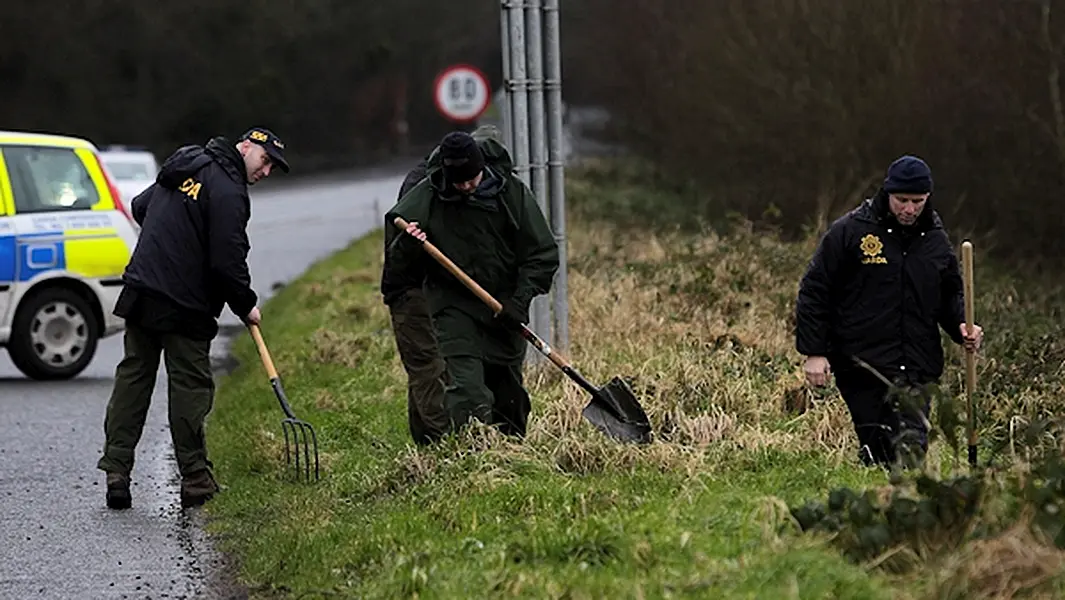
<point x="58" y="539"/>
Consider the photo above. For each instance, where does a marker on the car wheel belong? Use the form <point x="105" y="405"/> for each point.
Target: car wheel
<point x="54" y="334"/>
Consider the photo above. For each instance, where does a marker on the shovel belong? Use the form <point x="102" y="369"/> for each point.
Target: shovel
<point x="613" y="408"/>
<point x="290" y="423"/>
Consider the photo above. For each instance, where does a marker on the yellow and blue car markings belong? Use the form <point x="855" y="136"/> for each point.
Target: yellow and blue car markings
<point x="97" y="253"/>
<point x="85" y="244"/>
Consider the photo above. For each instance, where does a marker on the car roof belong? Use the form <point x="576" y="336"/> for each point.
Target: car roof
<point x="29" y="138"/>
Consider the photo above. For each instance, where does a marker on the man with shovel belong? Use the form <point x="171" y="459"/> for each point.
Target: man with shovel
<point x="882" y="281"/>
<point x="487" y="221"/>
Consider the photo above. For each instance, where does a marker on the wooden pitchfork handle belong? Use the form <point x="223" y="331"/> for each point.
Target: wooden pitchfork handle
<point x="264" y="352"/>
<point x="271" y="371"/>
<point x="487" y="298"/>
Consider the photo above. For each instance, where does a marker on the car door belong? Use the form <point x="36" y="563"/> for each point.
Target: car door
<point x="7" y="248"/>
<point x="58" y="230"/>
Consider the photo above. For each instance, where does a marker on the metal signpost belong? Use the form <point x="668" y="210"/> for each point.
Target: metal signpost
<point x="532" y="119"/>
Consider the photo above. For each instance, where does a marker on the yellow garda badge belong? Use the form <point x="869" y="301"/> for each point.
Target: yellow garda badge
<point x="871" y="248"/>
<point x="191" y="187"/>
<point x="258" y="135"/>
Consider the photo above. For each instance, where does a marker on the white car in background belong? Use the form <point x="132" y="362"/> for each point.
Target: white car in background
<point x="133" y="169"/>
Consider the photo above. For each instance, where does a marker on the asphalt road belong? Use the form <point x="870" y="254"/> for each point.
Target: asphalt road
<point x="58" y="539"/>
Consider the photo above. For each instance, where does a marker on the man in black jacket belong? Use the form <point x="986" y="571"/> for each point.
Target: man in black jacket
<point x="881" y="283"/>
<point x="189" y="262"/>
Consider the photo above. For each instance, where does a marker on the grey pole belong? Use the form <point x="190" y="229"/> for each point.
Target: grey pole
<point x="517" y="84"/>
<point x="540" y="317"/>
<point x="519" y="105"/>
<point x="505" y="108"/>
<point x="553" y="83"/>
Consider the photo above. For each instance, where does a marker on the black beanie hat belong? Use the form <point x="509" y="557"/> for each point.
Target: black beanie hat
<point x="908" y="175"/>
<point x="461" y="157"/>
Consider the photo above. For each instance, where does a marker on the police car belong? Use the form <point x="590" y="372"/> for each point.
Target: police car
<point x="65" y="239"/>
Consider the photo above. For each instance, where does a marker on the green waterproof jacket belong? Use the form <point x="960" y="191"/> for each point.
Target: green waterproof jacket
<point x="497" y="235"/>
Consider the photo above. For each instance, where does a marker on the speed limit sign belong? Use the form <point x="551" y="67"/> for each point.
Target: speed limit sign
<point x="462" y="93"/>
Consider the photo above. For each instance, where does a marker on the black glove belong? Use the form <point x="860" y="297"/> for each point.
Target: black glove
<point x="514" y="314"/>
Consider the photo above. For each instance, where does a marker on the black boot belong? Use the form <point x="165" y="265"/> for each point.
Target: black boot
<point x="118" y="496"/>
<point x="197" y="488"/>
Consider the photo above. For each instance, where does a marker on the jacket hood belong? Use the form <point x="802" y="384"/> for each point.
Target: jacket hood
<point x="225" y="152"/>
<point x="186" y="161"/>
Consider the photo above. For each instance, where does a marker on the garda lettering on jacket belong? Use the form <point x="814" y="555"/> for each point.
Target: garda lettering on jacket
<point x="191" y="188"/>
<point x="871" y="248"/>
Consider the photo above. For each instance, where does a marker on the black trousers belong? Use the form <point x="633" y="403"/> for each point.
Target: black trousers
<point x="890" y="422"/>
<point x="191" y="397"/>
<point x="416" y="342"/>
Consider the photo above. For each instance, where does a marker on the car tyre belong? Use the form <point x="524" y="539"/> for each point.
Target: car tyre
<point x="54" y="334"/>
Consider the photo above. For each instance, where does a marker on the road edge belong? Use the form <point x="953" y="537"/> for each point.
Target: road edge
<point x="219" y="571"/>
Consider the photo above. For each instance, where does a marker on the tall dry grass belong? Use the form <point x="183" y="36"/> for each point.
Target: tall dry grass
<point x="699" y="326"/>
<point x="700" y="322"/>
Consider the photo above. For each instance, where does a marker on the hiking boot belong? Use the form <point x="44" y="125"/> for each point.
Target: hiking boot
<point x="118" y="496"/>
<point x="197" y="488"/>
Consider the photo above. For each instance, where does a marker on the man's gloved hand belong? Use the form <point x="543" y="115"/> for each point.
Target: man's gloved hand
<point x="514" y="314"/>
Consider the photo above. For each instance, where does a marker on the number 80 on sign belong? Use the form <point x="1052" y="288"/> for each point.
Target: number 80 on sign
<point x="462" y="93"/>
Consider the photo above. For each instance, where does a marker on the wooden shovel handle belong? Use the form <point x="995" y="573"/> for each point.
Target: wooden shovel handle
<point x="456" y="271"/>
<point x="542" y="346"/>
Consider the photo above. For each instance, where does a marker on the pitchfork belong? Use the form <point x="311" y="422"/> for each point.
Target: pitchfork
<point x="297" y="426"/>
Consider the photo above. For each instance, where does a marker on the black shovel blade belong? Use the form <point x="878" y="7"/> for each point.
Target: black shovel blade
<point x="616" y="412"/>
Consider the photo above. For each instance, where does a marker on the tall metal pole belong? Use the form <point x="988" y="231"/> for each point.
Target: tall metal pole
<point x="519" y="104"/>
<point x="505" y="109"/>
<point x="519" y="98"/>
<point x="556" y="162"/>
<point x="540" y="315"/>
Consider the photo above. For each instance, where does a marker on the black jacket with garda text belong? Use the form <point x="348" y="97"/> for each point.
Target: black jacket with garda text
<point x="880" y="291"/>
<point x="193" y="246"/>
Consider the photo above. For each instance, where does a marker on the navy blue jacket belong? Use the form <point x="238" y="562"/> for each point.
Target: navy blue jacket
<point x="880" y="291"/>
<point x="193" y="246"/>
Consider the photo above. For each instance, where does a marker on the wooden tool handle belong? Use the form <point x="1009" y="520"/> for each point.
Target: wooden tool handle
<point x="970" y="355"/>
<point x="542" y="346"/>
<point x="264" y="353"/>
<point x="456" y="271"/>
<point x="967" y="268"/>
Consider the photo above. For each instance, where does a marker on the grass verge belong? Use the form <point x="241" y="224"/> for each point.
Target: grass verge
<point x="701" y="325"/>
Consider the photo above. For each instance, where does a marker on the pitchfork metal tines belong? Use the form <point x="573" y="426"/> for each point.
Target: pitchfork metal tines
<point x="303" y="435"/>
<point x="297" y="427"/>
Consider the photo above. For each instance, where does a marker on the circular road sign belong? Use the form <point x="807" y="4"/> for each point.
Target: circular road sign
<point x="462" y="93"/>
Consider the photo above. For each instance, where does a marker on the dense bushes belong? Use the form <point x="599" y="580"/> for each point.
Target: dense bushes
<point x="789" y="111"/>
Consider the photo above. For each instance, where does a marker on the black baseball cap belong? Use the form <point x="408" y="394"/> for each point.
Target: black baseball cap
<point x="273" y="145"/>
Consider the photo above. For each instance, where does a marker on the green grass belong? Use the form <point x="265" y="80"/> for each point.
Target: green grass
<point x="701" y="324"/>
